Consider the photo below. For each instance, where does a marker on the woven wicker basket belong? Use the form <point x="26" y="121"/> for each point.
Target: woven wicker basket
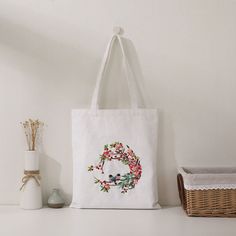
<point x="212" y="202"/>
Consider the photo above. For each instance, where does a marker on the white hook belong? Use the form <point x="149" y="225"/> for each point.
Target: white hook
<point x="118" y="30"/>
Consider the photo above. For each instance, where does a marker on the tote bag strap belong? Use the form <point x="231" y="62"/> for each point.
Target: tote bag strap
<point x="127" y="70"/>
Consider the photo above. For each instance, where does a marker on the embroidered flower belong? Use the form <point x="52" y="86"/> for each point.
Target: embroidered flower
<point x="126" y="182"/>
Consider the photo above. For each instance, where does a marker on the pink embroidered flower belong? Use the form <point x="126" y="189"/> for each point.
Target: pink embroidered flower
<point x="130" y="153"/>
<point x="136" y="170"/>
<point x="107" y="154"/>
<point x="116" y="151"/>
<point x="99" y="167"/>
<point x="118" y="146"/>
<point x="107" y="186"/>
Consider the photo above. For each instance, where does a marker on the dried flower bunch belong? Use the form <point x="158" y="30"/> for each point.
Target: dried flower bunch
<point x="32" y="131"/>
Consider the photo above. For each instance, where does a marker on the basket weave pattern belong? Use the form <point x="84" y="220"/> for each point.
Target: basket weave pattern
<point x="212" y="202"/>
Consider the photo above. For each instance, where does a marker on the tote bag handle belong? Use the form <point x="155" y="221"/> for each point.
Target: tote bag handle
<point x="128" y="72"/>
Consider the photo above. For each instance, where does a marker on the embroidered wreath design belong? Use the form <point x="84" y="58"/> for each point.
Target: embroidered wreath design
<point x="118" y="152"/>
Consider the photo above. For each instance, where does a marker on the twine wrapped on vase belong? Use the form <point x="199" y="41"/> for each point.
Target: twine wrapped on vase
<point x="30" y="174"/>
<point x="31" y="193"/>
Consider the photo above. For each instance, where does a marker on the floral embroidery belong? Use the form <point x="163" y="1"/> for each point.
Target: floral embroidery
<point x="116" y="151"/>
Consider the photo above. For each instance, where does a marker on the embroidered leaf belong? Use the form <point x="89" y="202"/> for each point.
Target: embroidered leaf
<point x="116" y="151"/>
<point x="96" y="181"/>
<point x="90" y="168"/>
<point x="104" y="189"/>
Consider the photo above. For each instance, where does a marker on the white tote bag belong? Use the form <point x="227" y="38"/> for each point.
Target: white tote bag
<point x="114" y="151"/>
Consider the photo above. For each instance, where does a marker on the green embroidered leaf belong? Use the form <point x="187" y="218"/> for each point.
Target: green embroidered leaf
<point x="90" y="168"/>
<point x="126" y="182"/>
<point x="96" y="181"/>
<point x="103" y="189"/>
<point x="125" y="161"/>
<point x="122" y="184"/>
<point x="117" y="151"/>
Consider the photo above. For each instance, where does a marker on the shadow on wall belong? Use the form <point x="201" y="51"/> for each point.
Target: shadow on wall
<point x="51" y="174"/>
<point x="137" y="72"/>
<point x="120" y="95"/>
<point x="50" y="171"/>
<point x="166" y="161"/>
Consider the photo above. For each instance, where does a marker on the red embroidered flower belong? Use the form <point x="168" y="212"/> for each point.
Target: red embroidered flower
<point x="107" y="186"/>
<point x="126" y="182"/>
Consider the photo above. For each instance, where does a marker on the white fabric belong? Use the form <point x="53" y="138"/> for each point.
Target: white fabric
<point x="209" y="178"/>
<point x="136" y="186"/>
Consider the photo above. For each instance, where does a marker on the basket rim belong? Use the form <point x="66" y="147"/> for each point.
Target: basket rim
<point x="201" y="180"/>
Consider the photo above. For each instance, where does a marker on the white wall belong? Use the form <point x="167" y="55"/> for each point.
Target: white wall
<point x="50" y="52"/>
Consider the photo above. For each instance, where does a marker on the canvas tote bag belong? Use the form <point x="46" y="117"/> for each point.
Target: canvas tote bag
<point x="114" y="151"/>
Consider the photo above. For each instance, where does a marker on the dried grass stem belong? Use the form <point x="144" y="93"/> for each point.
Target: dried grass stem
<point x="31" y="130"/>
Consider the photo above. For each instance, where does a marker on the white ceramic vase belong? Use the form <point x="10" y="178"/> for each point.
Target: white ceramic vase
<point x="31" y="193"/>
<point x="31" y="160"/>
